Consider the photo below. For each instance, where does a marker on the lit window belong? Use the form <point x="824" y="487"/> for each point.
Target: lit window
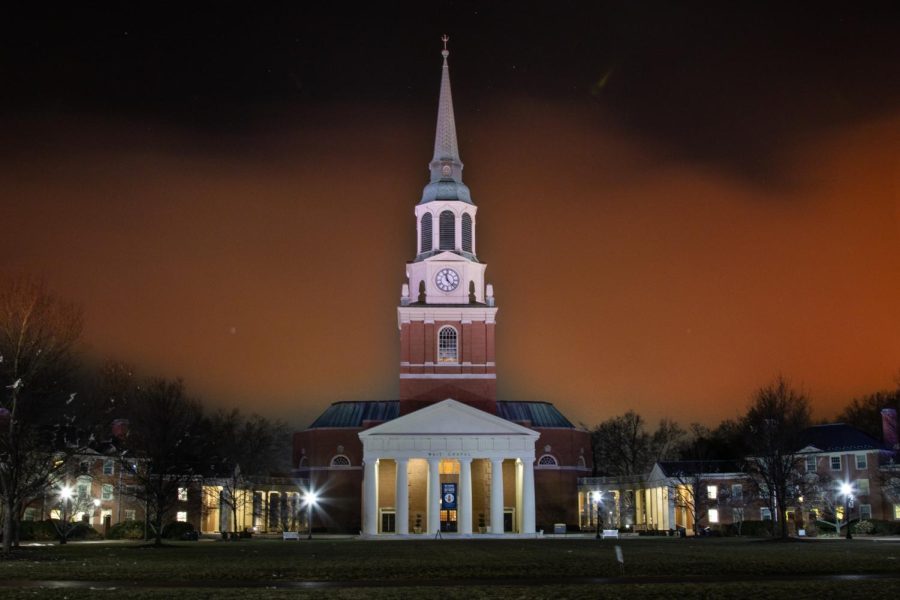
<point x="810" y="464"/>
<point x="897" y="512"/>
<point x="448" y="467"/>
<point x="865" y="511"/>
<point x="340" y="461"/>
<point x="862" y="487"/>
<point x="129" y="514"/>
<point x="765" y="514"/>
<point x="835" y="463"/>
<point x="182" y="494"/>
<point x="839" y="513"/>
<point x="447" y="344"/>
<point x="108" y="466"/>
<point x="181" y="516"/>
<point x="737" y="491"/>
<point x="712" y="492"/>
<point x="106" y="492"/>
<point x="861" y="462"/>
<point x="713" y="515"/>
<point x="547" y="461"/>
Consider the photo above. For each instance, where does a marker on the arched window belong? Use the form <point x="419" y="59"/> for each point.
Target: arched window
<point x="425" y="230"/>
<point x="547" y="460"/>
<point x="447" y="346"/>
<point x="448" y="230"/>
<point x="467" y="232"/>
<point x="340" y="461"/>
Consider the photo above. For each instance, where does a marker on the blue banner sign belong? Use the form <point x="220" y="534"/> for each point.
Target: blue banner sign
<point x="448" y="496"/>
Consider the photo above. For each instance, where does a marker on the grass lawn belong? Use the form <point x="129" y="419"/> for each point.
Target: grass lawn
<point x="447" y="562"/>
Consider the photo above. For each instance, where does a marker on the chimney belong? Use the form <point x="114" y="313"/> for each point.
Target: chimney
<point x="120" y="429"/>
<point x="889" y="428"/>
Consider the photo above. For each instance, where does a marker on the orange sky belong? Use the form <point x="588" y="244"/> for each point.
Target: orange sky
<point x="268" y="276"/>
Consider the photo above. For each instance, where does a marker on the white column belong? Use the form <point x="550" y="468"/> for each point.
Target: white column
<point x="528" y="495"/>
<point x="497" y="495"/>
<point x="518" y="495"/>
<point x="464" y="516"/>
<point x="402" y="496"/>
<point x="457" y="235"/>
<point x="434" y="495"/>
<point x="370" y="497"/>
<point x="435" y="231"/>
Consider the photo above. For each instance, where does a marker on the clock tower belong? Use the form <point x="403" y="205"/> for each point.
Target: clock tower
<point x="447" y="312"/>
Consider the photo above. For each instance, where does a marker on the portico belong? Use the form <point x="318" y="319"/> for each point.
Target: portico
<point x="433" y="468"/>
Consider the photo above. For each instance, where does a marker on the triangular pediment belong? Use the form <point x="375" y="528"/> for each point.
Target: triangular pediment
<point x="449" y="417"/>
<point x="809" y="450"/>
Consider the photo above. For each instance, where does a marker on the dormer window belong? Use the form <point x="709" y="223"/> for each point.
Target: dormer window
<point x="447" y="345"/>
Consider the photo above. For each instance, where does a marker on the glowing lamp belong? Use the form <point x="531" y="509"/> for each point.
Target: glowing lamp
<point x="846" y="489"/>
<point x="65" y="492"/>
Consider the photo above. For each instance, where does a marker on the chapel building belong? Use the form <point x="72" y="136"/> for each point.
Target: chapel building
<point x="446" y="456"/>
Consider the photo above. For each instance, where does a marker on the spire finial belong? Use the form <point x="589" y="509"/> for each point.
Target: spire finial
<point x="445" y="38"/>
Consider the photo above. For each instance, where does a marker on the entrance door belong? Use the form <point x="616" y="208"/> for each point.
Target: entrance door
<point x="508" y="520"/>
<point x="388" y="521"/>
<point x="448" y="521"/>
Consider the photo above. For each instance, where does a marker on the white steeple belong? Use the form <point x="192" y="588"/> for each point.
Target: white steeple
<point x="446" y="166"/>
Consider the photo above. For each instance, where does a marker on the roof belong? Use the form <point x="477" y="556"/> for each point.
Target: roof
<point x="354" y="414"/>
<point x="837" y="437"/>
<point x="671" y="468"/>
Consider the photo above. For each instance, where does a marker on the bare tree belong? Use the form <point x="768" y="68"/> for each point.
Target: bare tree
<point x="771" y="429"/>
<point x="241" y="450"/>
<point x="38" y="333"/>
<point x="162" y="447"/>
<point x="623" y="445"/>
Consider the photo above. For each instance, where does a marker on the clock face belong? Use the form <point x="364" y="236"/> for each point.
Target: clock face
<point x="447" y="280"/>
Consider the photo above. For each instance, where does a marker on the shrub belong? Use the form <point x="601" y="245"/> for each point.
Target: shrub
<point x="177" y="530"/>
<point x="754" y="528"/>
<point x="127" y="530"/>
<point x="83" y="531"/>
<point x="880" y="527"/>
<point x="37" y="531"/>
<point x="863" y="527"/>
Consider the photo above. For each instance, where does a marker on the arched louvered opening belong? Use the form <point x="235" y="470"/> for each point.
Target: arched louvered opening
<point x="467" y="232"/>
<point x="425" y="230"/>
<point x="448" y="230"/>
<point x="447" y="346"/>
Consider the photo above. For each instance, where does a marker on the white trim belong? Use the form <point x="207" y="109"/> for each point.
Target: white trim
<point x="448" y="376"/>
<point x="351" y="468"/>
<point x="404" y="363"/>
<point x="337" y="456"/>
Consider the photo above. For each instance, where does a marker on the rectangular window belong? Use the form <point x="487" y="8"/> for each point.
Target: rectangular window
<point x="835" y="463"/>
<point x="897" y="512"/>
<point x="810" y="464"/>
<point x="106" y="492"/>
<point x="129" y="514"/>
<point x="84" y="467"/>
<point x="182" y="494"/>
<point x="865" y="511"/>
<point x="765" y="514"/>
<point x="181" y="516"/>
<point x="862" y="487"/>
<point x="737" y="492"/>
<point x="109" y="466"/>
<point x="737" y="515"/>
<point x="83" y="491"/>
<point x="713" y="515"/>
<point x="861" y="462"/>
<point x="30" y="514"/>
<point x="712" y="492"/>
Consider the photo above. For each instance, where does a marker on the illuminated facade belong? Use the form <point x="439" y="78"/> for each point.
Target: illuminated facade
<point x="446" y="456"/>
